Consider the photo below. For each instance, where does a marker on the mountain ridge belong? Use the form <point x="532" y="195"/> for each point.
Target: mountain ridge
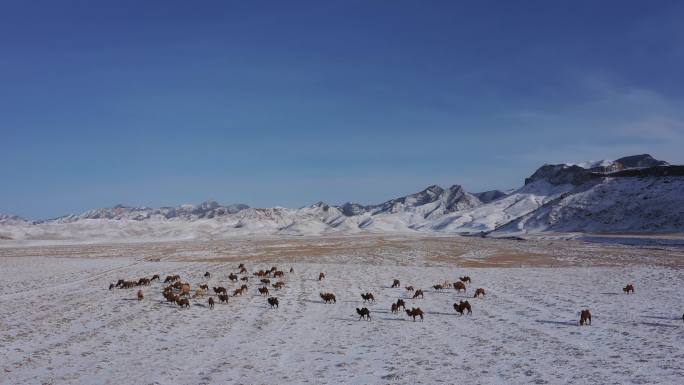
<point x="635" y="193"/>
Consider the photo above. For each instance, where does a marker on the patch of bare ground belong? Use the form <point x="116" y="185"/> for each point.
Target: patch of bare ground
<point x="379" y="249"/>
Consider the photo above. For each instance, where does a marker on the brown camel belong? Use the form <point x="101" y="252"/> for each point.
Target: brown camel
<point x="396" y="283"/>
<point x="415" y="312"/>
<point x="328" y="297"/>
<point x="141" y="296"/>
<point x="321" y="276"/>
<point x="273" y="301"/>
<point x="211" y="302"/>
<point x="585" y="317"/>
<point x="628" y="288"/>
<point x="458" y="286"/>
<point x="478" y="292"/>
<point x="368" y="297"/>
<point x="418" y="293"/>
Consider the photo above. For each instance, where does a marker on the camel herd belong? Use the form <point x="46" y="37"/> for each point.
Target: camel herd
<point x="179" y="292"/>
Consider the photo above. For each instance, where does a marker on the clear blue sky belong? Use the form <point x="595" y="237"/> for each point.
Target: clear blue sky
<point x="288" y="103"/>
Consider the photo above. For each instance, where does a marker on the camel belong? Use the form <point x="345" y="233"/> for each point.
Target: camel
<point x="418" y="293"/>
<point x="409" y="288"/>
<point x="233" y="277"/>
<point x="170" y="297"/>
<point x="401" y="304"/>
<point x="278" y="285"/>
<point x="328" y="297"/>
<point x="207" y="275"/>
<point x="363" y="313"/>
<point x="244" y="279"/>
<point x="395" y="308"/>
<point x="244" y="288"/>
<point x="263" y="291"/>
<point x="199" y="293"/>
<point x="220" y="289"/>
<point x="458" y="286"/>
<point x="321" y="276"/>
<point x="185" y="289"/>
<point x="183" y="302"/>
<point x="396" y="283"/>
<point x="120" y="282"/>
<point x="204" y="287"/>
<point x="463" y="306"/>
<point x="465" y="279"/>
<point x="243" y="270"/>
<point x="438" y="287"/>
<point x="585" y="317"/>
<point x="273" y="301"/>
<point x="278" y="274"/>
<point x="265" y="281"/>
<point x="211" y="303"/>
<point x="156" y="276"/>
<point x="237" y="292"/>
<point x="141" y="296"/>
<point x="144" y="282"/>
<point x="241" y="266"/>
<point x="628" y="288"/>
<point x="223" y="298"/>
<point x="172" y="278"/>
<point x="415" y="312"/>
<point x="478" y="292"/>
<point x="367" y="297"/>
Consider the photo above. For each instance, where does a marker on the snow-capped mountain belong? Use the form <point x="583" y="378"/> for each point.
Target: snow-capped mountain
<point x="9" y="219"/>
<point x="209" y="209"/>
<point x="631" y="194"/>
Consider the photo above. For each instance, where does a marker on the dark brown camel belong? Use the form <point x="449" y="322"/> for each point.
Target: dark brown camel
<point x="463" y="306"/>
<point x="585" y="317"/>
<point x="273" y="301"/>
<point x="367" y="297"/>
<point x="396" y="283"/>
<point x="363" y="313"/>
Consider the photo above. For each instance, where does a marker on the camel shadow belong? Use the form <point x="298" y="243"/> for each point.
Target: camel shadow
<point x="657" y="324"/>
<point x="662" y="318"/>
<point x="566" y="323"/>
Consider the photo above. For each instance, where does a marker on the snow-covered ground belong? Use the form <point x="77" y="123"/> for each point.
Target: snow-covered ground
<point x="60" y="324"/>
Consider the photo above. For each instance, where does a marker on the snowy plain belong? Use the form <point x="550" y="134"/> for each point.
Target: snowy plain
<point x="60" y="323"/>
